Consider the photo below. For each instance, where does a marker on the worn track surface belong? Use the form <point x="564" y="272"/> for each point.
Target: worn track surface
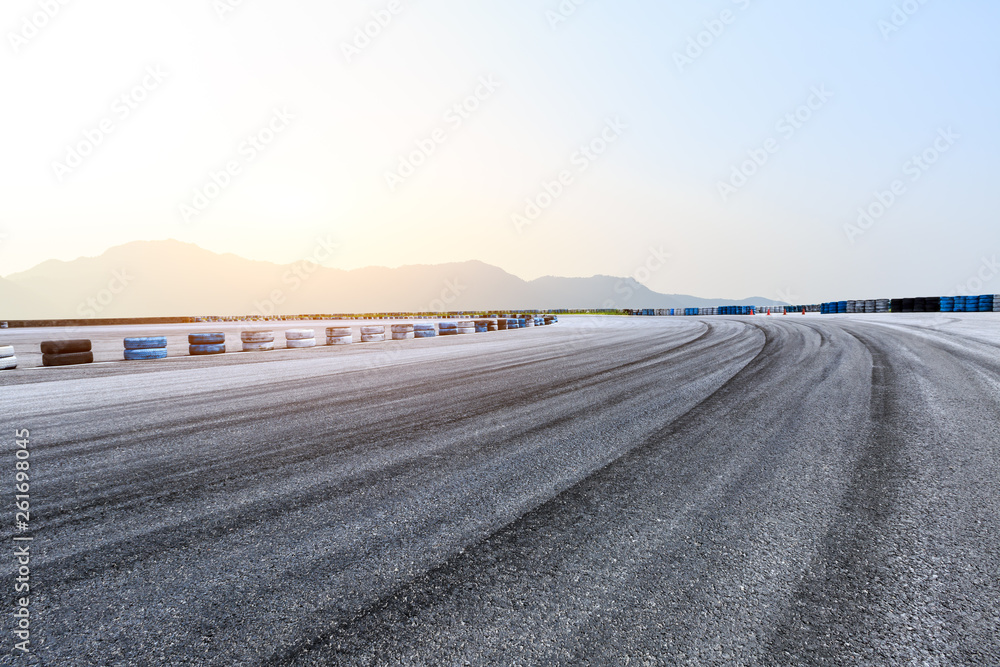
<point x="764" y="490"/>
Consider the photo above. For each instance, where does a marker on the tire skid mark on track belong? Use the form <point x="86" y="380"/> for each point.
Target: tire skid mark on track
<point x="844" y="578"/>
<point x="574" y="496"/>
<point x="305" y="497"/>
<point x="390" y="435"/>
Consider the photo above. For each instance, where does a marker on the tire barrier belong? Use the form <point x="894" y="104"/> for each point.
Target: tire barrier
<point x="201" y="344"/>
<point x="482" y="326"/>
<point x="257" y="341"/>
<point x="527" y="322"/>
<point x="465" y="327"/>
<point x="996" y="303"/>
<point x="206" y="349"/>
<point x="146" y="343"/>
<point x="372" y="334"/>
<point x="447" y="328"/>
<point x="206" y="338"/>
<point x="7" y="359"/>
<point x="56" y="348"/>
<point x="67" y="358"/>
<point x="300" y="338"/>
<point x="145" y="348"/>
<point x="258" y="336"/>
<point x="146" y="354"/>
<point x="424" y="331"/>
<point x="402" y="331"/>
<point x="339" y="336"/>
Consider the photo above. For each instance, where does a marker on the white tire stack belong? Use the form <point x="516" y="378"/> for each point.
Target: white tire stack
<point x="339" y="336"/>
<point x="7" y="358"/>
<point x="298" y="338"/>
<point x="882" y="305"/>
<point x="466" y="327"/>
<point x="372" y="334"/>
<point x="996" y="303"/>
<point x="257" y="341"/>
<point x="402" y="331"/>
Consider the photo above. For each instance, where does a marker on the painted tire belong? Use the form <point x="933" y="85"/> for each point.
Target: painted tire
<point x="372" y="338"/>
<point x="257" y="336"/>
<point x="196" y="350"/>
<point x="300" y="342"/>
<point x="146" y="343"/>
<point x="8" y="363"/>
<point x="403" y="335"/>
<point x="339" y="340"/>
<point x="300" y="334"/>
<point x="261" y="346"/>
<point x="372" y="330"/>
<point x="206" y="339"/>
<point x="424" y="327"/>
<point x="446" y="325"/>
<point x="466" y="330"/>
<point x="402" y="328"/>
<point x="146" y="354"/>
<point x="65" y="346"/>
<point x="424" y="333"/>
<point x="6" y="351"/>
<point x="465" y="324"/>
<point x="338" y="332"/>
<point x="449" y="332"/>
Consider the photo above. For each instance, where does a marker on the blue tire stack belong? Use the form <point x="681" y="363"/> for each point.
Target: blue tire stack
<point x="985" y="303"/>
<point x="448" y="328"/>
<point x="145" y="348"/>
<point x="424" y="331"/>
<point x="206" y="343"/>
<point x="947" y="304"/>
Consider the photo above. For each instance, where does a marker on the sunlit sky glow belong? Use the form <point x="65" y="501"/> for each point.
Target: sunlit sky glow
<point x="339" y="123"/>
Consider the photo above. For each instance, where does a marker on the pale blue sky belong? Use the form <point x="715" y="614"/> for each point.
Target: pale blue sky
<point x="681" y="132"/>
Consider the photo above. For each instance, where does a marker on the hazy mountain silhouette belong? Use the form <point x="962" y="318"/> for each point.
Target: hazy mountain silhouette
<point x="171" y="278"/>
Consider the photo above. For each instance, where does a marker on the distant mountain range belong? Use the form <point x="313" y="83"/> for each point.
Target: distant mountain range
<point x="171" y="278"/>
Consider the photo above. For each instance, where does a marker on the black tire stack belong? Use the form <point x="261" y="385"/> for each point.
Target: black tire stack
<point x="206" y="343"/>
<point x="67" y="352"/>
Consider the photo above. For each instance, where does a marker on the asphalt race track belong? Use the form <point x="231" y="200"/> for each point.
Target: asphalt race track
<point x="604" y="491"/>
